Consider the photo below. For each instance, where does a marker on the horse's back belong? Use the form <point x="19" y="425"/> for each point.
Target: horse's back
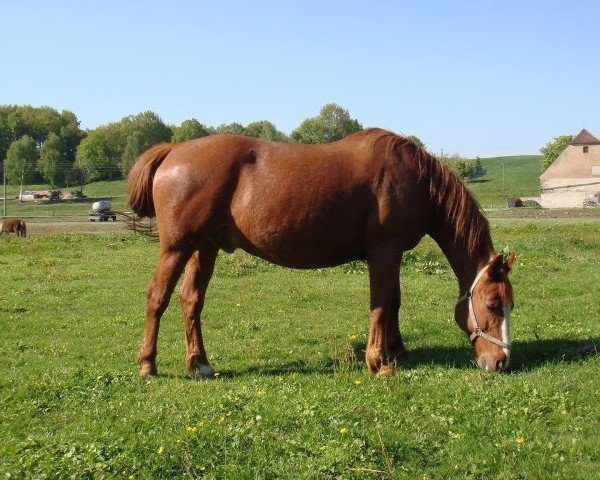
<point x="295" y="205"/>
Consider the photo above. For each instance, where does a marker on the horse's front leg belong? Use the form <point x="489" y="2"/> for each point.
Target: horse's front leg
<point x="167" y="272"/>
<point x="395" y="345"/>
<point x="385" y="343"/>
<point x="198" y="272"/>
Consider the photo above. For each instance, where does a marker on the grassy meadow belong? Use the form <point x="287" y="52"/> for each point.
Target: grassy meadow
<point x="293" y="399"/>
<point x="516" y="176"/>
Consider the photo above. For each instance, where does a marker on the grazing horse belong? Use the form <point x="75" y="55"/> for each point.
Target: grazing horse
<point x="370" y="196"/>
<point x="13" y="225"/>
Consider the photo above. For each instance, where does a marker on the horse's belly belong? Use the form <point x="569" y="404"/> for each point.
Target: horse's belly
<point x="312" y="246"/>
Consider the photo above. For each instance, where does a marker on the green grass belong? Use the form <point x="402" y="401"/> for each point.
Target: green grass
<point x="293" y="399"/>
<point x="516" y="176"/>
<point x="114" y="191"/>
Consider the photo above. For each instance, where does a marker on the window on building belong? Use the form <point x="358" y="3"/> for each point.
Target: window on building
<point x="585" y="149"/>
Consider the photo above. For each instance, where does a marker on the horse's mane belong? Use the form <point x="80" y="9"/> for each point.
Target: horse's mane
<point x="454" y="204"/>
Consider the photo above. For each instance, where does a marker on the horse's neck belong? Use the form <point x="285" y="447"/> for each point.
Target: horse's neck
<point x="465" y="264"/>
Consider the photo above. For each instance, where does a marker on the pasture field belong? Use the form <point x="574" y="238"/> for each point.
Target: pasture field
<point x="293" y="399"/>
<point x="515" y="176"/>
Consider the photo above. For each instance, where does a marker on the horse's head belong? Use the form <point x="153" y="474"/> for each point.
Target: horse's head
<point x="483" y="312"/>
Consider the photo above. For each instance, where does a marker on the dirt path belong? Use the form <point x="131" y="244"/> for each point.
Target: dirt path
<point x="57" y="225"/>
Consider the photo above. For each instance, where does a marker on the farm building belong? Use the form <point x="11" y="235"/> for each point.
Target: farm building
<point x="573" y="180"/>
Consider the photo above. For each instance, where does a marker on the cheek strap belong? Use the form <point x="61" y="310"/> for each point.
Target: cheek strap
<point x="477" y="331"/>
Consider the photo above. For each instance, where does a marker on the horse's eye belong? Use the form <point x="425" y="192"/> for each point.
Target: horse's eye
<point x="494" y="307"/>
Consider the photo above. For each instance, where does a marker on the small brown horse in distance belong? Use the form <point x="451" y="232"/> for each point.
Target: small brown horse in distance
<point x="13" y="225"/>
<point x="370" y="196"/>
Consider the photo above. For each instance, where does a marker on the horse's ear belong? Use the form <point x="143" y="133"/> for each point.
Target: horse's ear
<point x="509" y="262"/>
<point x="495" y="266"/>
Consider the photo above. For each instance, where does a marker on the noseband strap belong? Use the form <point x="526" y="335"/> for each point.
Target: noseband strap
<point x="478" y="332"/>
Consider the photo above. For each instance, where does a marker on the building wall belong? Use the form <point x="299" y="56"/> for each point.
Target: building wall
<point x="572" y="178"/>
<point x="573" y="163"/>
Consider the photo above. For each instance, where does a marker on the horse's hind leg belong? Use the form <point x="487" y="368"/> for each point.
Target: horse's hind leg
<point x="168" y="270"/>
<point x="384" y="334"/>
<point x="198" y="272"/>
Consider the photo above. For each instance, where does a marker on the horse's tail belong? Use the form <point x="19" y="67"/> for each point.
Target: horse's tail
<point x="141" y="176"/>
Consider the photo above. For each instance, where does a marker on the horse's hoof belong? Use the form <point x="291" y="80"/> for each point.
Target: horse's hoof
<point x="205" y="371"/>
<point x="148" y="369"/>
<point x="385" y="371"/>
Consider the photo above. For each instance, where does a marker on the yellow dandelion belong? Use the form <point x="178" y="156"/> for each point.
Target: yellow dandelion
<point x="520" y="440"/>
<point x="260" y="393"/>
<point x="216" y="374"/>
<point x="352" y="337"/>
<point x="357" y="382"/>
<point x="130" y="477"/>
<point x="343" y="431"/>
<point x="221" y="419"/>
<point x="191" y="430"/>
<point x="160" y="450"/>
<point x="238" y="305"/>
<point x="202" y="468"/>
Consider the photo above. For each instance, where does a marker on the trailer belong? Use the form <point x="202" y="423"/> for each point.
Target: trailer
<point x="101" y="212"/>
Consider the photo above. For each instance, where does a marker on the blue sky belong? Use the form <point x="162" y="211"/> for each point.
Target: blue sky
<point x="477" y="78"/>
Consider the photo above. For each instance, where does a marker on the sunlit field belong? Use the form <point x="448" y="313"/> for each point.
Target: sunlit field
<point x="292" y="398"/>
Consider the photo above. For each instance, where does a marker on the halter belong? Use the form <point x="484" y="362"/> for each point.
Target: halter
<point x="478" y="332"/>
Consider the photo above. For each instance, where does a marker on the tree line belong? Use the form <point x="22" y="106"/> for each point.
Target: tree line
<point x="42" y="145"/>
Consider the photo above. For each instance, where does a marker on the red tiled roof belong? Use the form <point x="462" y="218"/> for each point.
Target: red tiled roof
<point x="585" y="138"/>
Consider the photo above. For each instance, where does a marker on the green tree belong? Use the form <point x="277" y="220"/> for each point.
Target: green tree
<point x="265" y="129"/>
<point x="553" y="149"/>
<point x="70" y="136"/>
<point x="98" y="155"/>
<point x="39" y="123"/>
<point x="416" y="140"/>
<point x="52" y="164"/>
<point x="466" y="169"/>
<point x="189" y="130"/>
<point x="140" y="132"/>
<point x="234" y="128"/>
<point x="333" y="123"/>
<point x="133" y="148"/>
<point x="21" y="160"/>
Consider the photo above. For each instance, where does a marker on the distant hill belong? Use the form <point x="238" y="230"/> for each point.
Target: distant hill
<point x="515" y="176"/>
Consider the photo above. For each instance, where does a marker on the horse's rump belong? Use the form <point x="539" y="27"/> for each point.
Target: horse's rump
<point x="141" y="177"/>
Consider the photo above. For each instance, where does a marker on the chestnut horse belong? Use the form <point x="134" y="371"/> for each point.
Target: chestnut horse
<point x="13" y="225"/>
<point x="370" y="196"/>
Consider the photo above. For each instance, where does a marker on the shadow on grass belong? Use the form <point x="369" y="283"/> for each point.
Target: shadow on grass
<point x="300" y="367"/>
<point x="479" y="180"/>
<point x="525" y="356"/>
